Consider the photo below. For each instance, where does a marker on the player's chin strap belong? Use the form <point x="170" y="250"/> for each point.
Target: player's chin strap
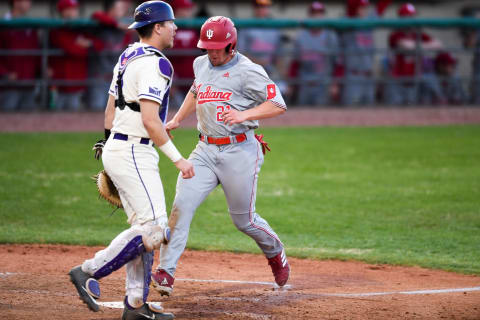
<point x="264" y="144"/>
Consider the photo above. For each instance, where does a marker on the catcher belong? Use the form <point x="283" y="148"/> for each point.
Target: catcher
<point x="134" y="122"/>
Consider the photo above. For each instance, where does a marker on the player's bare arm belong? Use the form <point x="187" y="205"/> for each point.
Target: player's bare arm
<point x="158" y="134"/>
<point x="109" y="112"/>
<point x="152" y="122"/>
<point x="263" y="111"/>
<point x="186" y="109"/>
<point x="108" y="124"/>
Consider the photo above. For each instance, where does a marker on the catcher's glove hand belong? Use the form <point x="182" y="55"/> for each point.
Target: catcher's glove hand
<point x="98" y="148"/>
<point x="107" y="189"/>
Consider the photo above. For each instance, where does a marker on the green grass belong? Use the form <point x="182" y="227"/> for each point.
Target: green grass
<point x="407" y="195"/>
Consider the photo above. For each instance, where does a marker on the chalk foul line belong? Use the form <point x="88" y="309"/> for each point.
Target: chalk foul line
<point x="365" y="294"/>
<point x="435" y="291"/>
<point x="272" y="284"/>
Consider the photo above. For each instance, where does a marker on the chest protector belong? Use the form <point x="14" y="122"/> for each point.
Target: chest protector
<point x="164" y="66"/>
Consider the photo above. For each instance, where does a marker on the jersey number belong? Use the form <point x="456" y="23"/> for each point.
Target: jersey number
<point x="220" y="110"/>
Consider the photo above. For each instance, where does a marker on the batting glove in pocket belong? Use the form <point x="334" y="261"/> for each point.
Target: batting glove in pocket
<point x="98" y="148"/>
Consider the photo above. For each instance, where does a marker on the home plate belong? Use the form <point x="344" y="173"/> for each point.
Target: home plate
<point x="119" y="304"/>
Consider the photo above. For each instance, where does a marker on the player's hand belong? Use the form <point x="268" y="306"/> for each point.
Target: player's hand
<point x="233" y="116"/>
<point x="186" y="168"/>
<point x="171" y="125"/>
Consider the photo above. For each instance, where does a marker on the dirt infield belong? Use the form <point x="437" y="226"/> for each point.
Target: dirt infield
<point x="34" y="285"/>
<point x="85" y="121"/>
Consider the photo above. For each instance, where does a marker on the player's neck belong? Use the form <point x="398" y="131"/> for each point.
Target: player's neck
<point x="152" y="42"/>
<point x="230" y="57"/>
<point x="227" y="60"/>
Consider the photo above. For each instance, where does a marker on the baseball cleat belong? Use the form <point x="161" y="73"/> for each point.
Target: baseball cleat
<point x="163" y="282"/>
<point x="147" y="311"/>
<point x="88" y="288"/>
<point x="280" y="268"/>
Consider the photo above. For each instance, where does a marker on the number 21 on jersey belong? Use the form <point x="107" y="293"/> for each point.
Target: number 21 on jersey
<point x="220" y="110"/>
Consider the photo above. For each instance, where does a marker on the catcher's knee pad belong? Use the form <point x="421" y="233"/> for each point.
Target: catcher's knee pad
<point x="154" y="235"/>
<point x="124" y="248"/>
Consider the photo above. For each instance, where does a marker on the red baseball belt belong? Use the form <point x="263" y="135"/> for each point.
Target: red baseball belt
<point x="223" y="140"/>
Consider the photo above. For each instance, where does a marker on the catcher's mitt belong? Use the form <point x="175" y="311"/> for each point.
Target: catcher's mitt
<point x="107" y="189"/>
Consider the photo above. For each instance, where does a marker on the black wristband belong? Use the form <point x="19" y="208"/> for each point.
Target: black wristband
<point x="107" y="134"/>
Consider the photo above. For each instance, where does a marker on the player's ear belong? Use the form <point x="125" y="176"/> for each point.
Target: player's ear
<point x="157" y="28"/>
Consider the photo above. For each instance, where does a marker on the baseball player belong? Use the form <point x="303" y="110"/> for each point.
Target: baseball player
<point x="315" y="52"/>
<point x="405" y="87"/>
<point x="475" y="85"/>
<point x="134" y="117"/>
<point x="230" y="94"/>
<point x="359" y="54"/>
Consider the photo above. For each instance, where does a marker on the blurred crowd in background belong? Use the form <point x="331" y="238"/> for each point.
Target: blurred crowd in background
<point x="314" y="67"/>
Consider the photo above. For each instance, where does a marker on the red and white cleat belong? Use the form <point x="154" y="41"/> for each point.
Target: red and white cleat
<point x="280" y="268"/>
<point x="163" y="282"/>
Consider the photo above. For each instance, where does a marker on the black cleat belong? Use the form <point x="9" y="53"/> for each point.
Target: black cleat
<point x="147" y="311"/>
<point x="87" y="287"/>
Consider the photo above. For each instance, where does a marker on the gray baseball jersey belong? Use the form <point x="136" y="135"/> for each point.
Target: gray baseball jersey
<point x="239" y="84"/>
<point x="317" y="53"/>
<point x="359" y="50"/>
<point x="262" y="45"/>
<point x="359" y="55"/>
<point x="476" y="70"/>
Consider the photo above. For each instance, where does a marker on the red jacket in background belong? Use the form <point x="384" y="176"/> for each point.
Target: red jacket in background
<point x="183" y="65"/>
<point x="113" y="40"/>
<point x="73" y="64"/>
<point x="404" y="64"/>
<point x="25" y="67"/>
<point x="106" y="21"/>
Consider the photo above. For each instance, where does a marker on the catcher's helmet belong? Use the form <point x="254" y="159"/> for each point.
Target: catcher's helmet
<point x="151" y="12"/>
<point x="218" y="33"/>
<point x="407" y="10"/>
